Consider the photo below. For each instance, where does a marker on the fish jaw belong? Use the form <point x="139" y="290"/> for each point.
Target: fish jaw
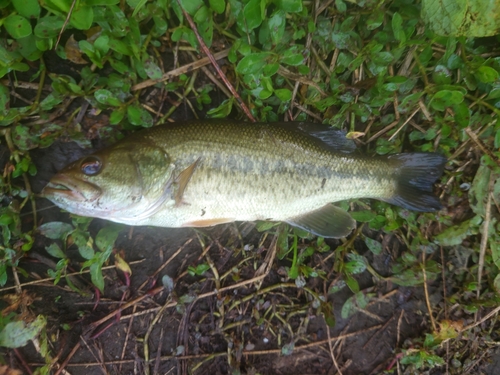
<point x="63" y="188"/>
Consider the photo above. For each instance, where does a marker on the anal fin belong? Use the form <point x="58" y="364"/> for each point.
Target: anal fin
<point x="328" y="221"/>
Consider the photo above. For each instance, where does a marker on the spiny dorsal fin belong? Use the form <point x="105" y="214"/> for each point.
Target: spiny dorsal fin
<point x="328" y="221"/>
<point x="183" y="179"/>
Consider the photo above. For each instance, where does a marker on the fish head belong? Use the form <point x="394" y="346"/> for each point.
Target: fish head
<point x="122" y="183"/>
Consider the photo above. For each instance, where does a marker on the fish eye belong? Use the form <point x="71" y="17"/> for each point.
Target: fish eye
<point x="91" y="166"/>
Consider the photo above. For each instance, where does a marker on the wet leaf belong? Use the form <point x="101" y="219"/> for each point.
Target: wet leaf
<point x="253" y="14"/>
<point x="96" y="275"/>
<point x="18" y="334"/>
<point x="55" y="230"/>
<point x="82" y="17"/>
<point x="486" y="74"/>
<point x="152" y="69"/>
<point x="364" y="216"/>
<point x="218" y="6"/>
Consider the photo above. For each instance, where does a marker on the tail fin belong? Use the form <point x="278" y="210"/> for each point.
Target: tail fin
<point x="416" y="173"/>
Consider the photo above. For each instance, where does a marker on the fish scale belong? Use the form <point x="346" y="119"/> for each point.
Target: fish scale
<point x="208" y="172"/>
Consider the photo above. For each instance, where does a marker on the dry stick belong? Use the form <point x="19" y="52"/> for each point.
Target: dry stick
<point x="484" y="237"/>
<point x="67" y="359"/>
<point x="69" y="274"/>
<point x="182" y="70"/>
<point x="427" y="300"/>
<point x="332" y="354"/>
<point x="481" y="145"/>
<point x="65" y="23"/>
<point x="404" y="123"/>
<point x="222" y="75"/>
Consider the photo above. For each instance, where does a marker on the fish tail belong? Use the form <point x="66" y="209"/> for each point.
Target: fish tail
<point x="416" y="174"/>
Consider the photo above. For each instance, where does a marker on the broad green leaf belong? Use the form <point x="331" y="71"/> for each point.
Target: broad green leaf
<point x="455" y="234"/>
<point x="82" y="18"/>
<point x="205" y="23"/>
<point x="470" y="18"/>
<point x="374" y="246"/>
<point x="117" y="115"/>
<point x="446" y="98"/>
<point x="152" y="69"/>
<point x="139" y="116"/>
<point x="107" y="236"/>
<point x="276" y="26"/>
<point x="107" y="97"/>
<point x="4" y="96"/>
<point x="48" y="27"/>
<point x="191" y="6"/>
<point x="486" y="74"/>
<point x="55" y="230"/>
<point x="17" y="26"/>
<point x="218" y="6"/>
<point x="292" y="6"/>
<point x="253" y="63"/>
<point x="54" y="250"/>
<point x="253" y="14"/>
<point x="283" y="94"/>
<point x="397" y="27"/>
<point x="27" y="8"/>
<point x="364" y="216"/>
<point x="96" y="276"/>
<point x="18" y="334"/>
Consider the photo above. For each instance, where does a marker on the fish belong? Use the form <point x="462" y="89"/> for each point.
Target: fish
<point x="204" y="173"/>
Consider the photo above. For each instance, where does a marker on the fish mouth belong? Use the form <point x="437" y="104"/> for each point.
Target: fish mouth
<point x="62" y="186"/>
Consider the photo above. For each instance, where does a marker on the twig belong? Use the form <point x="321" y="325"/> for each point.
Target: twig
<point x="484" y="237"/>
<point x="67" y="359"/>
<point x="222" y="75"/>
<point x="404" y="123"/>
<point x="481" y="145"/>
<point x="426" y="292"/>
<point x="182" y="70"/>
<point x="67" y="275"/>
<point x="332" y="354"/>
<point x="65" y="23"/>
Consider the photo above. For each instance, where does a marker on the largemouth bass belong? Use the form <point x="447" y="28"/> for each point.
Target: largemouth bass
<point x="204" y="173"/>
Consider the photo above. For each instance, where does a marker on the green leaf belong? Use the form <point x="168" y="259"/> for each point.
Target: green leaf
<point x="486" y="74"/>
<point x="191" y="6"/>
<point x="218" y="6"/>
<point x="18" y="334"/>
<point x="253" y="14"/>
<point x="96" y="276"/>
<point x="364" y="216"/>
<point x="54" y="250"/>
<point x="455" y="234"/>
<point x="106" y="97"/>
<point x="48" y="27"/>
<point x="139" y="116"/>
<point x="82" y="18"/>
<point x="205" y="23"/>
<point x="283" y="94"/>
<point x="276" y="26"/>
<point x="107" y="236"/>
<point x="446" y="98"/>
<point x="374" y="246"/>
<point x="397" y="27"/>
<point x="253" y="63"/>
<point x="27" y="8"/>
<point x="4" y="96"/>
<point x="55" y="230"/>
<point x="152" y="69"/>
<point x="17" y="26"/>
<point x="292" y="6"/>
<point x="117" y="116"/>
<point x="462" y="17"/>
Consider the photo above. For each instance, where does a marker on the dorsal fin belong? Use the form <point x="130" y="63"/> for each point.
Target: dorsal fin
<point x="333" y="138"/>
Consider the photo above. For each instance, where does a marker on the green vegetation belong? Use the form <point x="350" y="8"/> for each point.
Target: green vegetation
<point x="397" y="75"/>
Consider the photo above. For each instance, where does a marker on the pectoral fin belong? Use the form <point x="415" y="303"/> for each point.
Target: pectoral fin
<point x="182" y="181"/>
<point x="328" y="221"/>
